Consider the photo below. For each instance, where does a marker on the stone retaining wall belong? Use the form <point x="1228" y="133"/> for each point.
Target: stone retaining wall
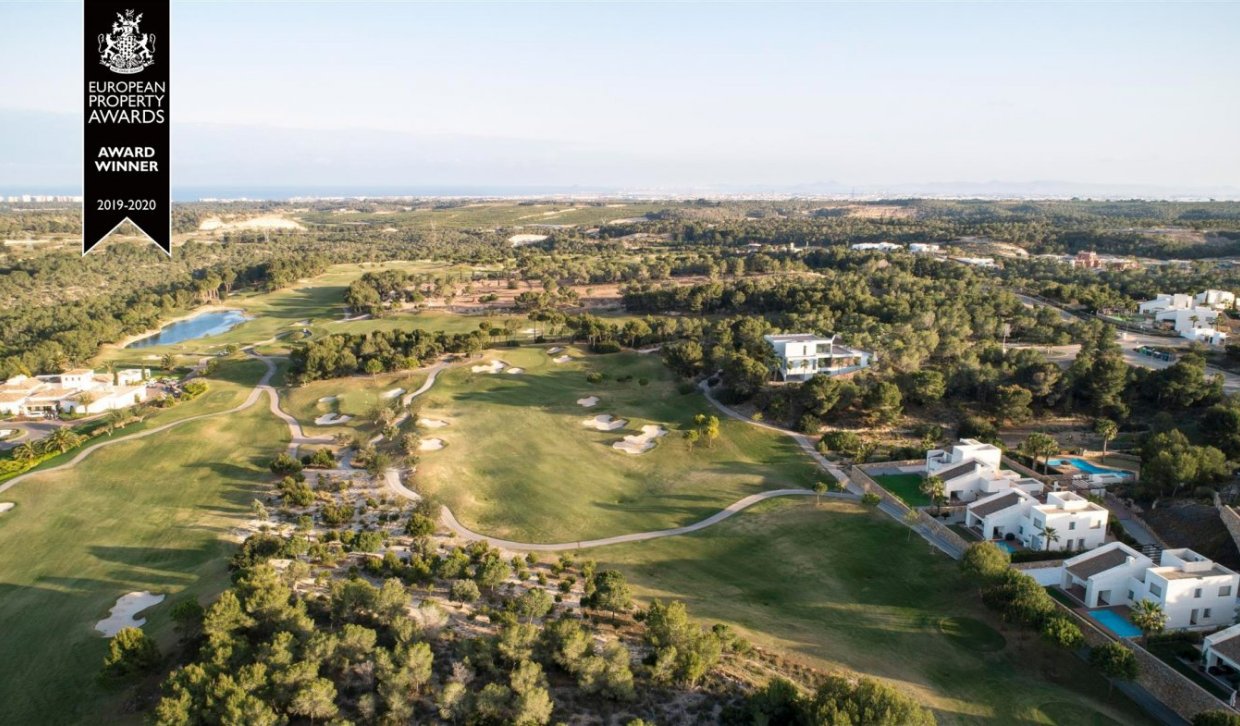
<point x="1231" y="519"/>
<point x="944" y="532"/>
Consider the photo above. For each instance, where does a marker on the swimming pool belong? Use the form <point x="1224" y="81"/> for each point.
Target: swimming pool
<point x="1005" y="546"/>
<point x="1115" y="623"/>
<point x="1089" y="467"/>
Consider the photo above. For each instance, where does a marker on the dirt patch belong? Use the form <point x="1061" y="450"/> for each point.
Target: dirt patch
<point x="1197" y="526"/>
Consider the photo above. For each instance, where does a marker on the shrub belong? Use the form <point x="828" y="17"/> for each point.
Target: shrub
<point x="464" y="591"/>
<point x="130" y="651"/>
<point x="686" y="388"/>
<point x="595" y="377"/>
<point x="605" y="346"/>
<point x="871" y="499"/>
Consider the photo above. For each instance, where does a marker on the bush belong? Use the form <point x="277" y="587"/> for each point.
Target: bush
<point x="129" y="652"/>
<point x="686" y="388"/>
<point x="605" y="346"/>
<point x="871" y="499"/>
<point x="595" y="377"/>
<point x="1040" y="555"/>
<point x="464" y="591"/>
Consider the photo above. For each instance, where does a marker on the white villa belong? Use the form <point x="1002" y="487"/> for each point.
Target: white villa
<point x="971" y="470"/>
<point x="924" y="248"/>
<point x="78" y="391"/>
<point x="876" y="247"/>
<point x="1076" y="523"/>
<point x="1193" y="318"/>
<point x="803" y="356"/>
<point x="1194" y="591"/>
<point x="1222" y="648"/>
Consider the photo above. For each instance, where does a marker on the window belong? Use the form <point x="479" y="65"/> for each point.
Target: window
<point x="1072" y="524"/>
<point x="1155" y="590"/>
<point x="1224" y="591"/>
<point x="1197" y="593"/>
<point x="1131" y="596"/>
<point x="1206" y="613"/>
<point x="1096" y="524"/>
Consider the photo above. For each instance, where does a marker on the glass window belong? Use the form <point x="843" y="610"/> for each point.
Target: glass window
<point x="1205" y="613"/>
<point x="1155" y="590"/>
<point x="1072" y="525"/>
<point x="1197" y="592"/>
<point x="1224" y="591"/>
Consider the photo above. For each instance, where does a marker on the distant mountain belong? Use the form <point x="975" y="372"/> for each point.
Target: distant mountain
<point x="41" y="154"/>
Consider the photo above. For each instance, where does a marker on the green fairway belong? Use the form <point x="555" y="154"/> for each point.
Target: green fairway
<point x="519" y="463"/>
<point x="905" y="486"/>
<point x="843" y="586"/>
<point x="357" y="397"/>
<point x="153" y="515"/>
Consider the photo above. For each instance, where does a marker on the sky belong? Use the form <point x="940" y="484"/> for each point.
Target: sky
<point x="645" y="95"/>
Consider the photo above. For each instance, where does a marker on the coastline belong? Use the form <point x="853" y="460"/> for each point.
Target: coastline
<point x="200" y="310"/>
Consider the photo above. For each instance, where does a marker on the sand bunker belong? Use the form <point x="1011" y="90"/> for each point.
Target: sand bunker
<point x="561" y="359"/>
<point x="123" y="612"/>
<point x="6" y="506"/>
<point x="604" y="422"/>
<point x="329" y="399"/>
<point x="430" y="445"/>
<point x="431" y="423"/>
<point x="588" y="401"/>
<point x="331" y="419"/>
<point x="494" y="366"/>
<point x="531" y="331"/>
<point x="642" y="443"/>
<point x="5" y="432"/>
<point x="393" y="393"/>
<point x="553" y="351"/>
<point x="515" y="371"/>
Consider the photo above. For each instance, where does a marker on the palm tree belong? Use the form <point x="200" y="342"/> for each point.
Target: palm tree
<point x="1050" y="535"/>
<point x="1108" y="430"/>
<point x="1149" y="616"/>
<point x="61" y="440"/>
<point x="820" y="488"/>
<point x="935" y="488"/>
<point x="911" y="518"/>
<point x="25" y="452"/>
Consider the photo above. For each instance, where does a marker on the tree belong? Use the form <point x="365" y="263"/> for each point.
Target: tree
<point x="692" y="436"/>
<point x="839" y="701"/>
<point x="912" y="518"/>
<point x="130" y="651"/>
<point x="820" y="488"/>
<point x="1062" y="632"/>
<point x="315" y="700"/>
<point x="1011" y="403"/>
<point x="935" y="489"/>
<point x="1108" y="430"/>
<point x="1114" y="661"/>
<point x="533" y="603"/>
<point x="611" y="593"/>
<point x="883" y="403"/>
<point x="1149" y="616"/>
<point x="1040" y="445"/>
<point x="985" y="560"/>
<point x="532" y="705"/>
<point x="1050" y="535"/>
<point x="464" y="591"/>
<point x="1216" y="718"/>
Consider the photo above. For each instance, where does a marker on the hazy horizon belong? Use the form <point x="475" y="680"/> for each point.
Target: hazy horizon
<point x="831" y="99"/>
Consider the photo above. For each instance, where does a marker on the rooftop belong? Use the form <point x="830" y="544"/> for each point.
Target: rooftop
<point x="991" y="506"/>
<point x="1098" y="561"/>
<point x="795" y="337"/>
<point x="966" y="468"/>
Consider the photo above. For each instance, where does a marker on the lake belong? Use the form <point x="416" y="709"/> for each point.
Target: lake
<point x="199" y="326"/>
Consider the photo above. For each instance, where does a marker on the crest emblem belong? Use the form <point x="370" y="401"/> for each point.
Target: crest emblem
<point x="126" y="49"/>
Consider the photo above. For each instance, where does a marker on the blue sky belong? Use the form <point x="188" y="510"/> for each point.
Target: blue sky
<point x="695" y="94"/>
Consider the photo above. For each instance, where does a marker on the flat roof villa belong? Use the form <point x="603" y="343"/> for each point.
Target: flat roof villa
<point x="77" y="391"/>
<point x="1060" y="521"/>
<point x="803" y="356"/>
<point x="971" y="470"/>
<point x="1194" y="591"/>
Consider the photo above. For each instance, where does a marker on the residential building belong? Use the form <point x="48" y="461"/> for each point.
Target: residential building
<point x="971" y="470"/>
<point x="924" y="248"/>
<point x="1076" y="523"/>
<point x="1217" y="299"/>
<point x="876" y="247"/>
<point x="1222" y="648"/>
<point x="1163" y="302"/>
<point x="1193" y="590"/>
<point x="803" y="356"/>
<point x="77" y="391"/>
<point x="1088" y="260"/>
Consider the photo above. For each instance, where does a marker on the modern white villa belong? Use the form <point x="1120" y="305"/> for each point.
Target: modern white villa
<point x="1193" y="318"/>
<point x="924" y="248"/>
<point x="1222" y="648"/>
<point x="78" y="391"/>
<point x="971" y="470"/>
<point x="803" y="356"/>
<point x="1064" y="521"/>
<point x="876" y="247"/>
<point x="1194" y="591"/>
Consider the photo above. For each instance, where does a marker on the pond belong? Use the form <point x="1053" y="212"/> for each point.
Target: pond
<point x="199" y="326"/>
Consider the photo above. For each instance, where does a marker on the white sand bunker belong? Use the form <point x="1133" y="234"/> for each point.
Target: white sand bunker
<point x="515" y="371"/>
<point x="430" y="445"/>
<point x="5" y="432"/>
<point x="330" y="419"/>
<point x="123" y="612"/>
<point x="329" y="399"/>
<point x="588" y="401"/>
<point x="604" y="422"/>
<point x="431" y="423"/>
<point x="641" y="443"/>
<point x="6" y="506"/>
<point x="494" y="366"/>
<point x="561" y="359"/>
<point x="553" y="351"/>
<point x="393" y="393"/>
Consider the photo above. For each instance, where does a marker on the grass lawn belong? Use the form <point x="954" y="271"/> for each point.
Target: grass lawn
<point x="356" y="396"/>
<point x="842" y="586"/>
<point x="519" y="463"/>
<point x="905" y="486"/>
<point x="148" y="515"/>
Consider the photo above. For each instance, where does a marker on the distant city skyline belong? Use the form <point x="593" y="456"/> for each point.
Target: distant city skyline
<point x="819" y="99"/>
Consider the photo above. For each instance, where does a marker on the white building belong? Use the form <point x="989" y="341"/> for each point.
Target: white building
<point x="78" y="391"/>
<point x="1163" y="302"/>
<point x="971" y="470"/>
<point x="976" y="261"/>
<point x="1076" y="523"/>
<point x="803" y="356"/>
<point x="1222" y="648"/>
<point x="876" y="247"/>
<point x="924" y="248"/>
<point x="1217" y="299"/>
<point x="1194" y="591"/>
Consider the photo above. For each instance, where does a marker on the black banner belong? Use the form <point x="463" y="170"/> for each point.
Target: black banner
<point x="126" y="160"/>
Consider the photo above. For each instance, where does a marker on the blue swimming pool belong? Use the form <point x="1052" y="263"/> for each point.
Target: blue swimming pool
<point x="1115" y="623"/>
<point x="1088" y="467"/>
<point x="1005" y="546"/>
